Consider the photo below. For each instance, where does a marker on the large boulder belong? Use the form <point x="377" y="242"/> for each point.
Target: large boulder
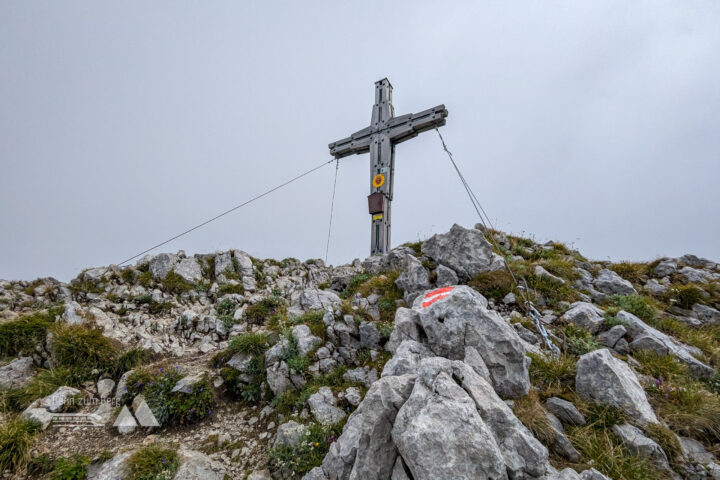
<point x="17" y="373"/>
<point x="161" y="264"/>
<point x="314" y="299"/>
<point x="646" y="337"/>
<point x="611" y="283"/>
<point x="453" y="318"/>
<point x="606" y="380"/>
<point x="466" y="251"/>
<point x="189" y="269"/>
<point x="365" y="449"/>
<point x="640" y="445"/>
<point x="440" y="434"/>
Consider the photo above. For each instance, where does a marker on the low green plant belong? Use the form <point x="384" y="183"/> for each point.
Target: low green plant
<point x="631" y="271"/>
<point x="185" y="406"/>
<point x="128" y="360"/>
<point x="145" y="279"/>
<point x="226" y="306"/>
<point x="19" y="337"/>
<point x="175" y="284"/>
<point x="579" y="341"/>
<point x="531" y="413"/>
<point x="263" y="310"/>
<point x="291" y="355"/>
<point x="552" y="375"/>
<point x="16" y="438"/>
<point x="236" y="384"/>
<point x="354" y="283"/>
<point x="254" y="343"/>
<point x="155" y="462"/>
<point x="385" y="329"/>
<point x="495" y="284"/>
<point x="229" y="288"/>
<point x="41" y="385"/>
<point x="84" y="351"/>
<point x="639" y="305"/>
<point x="70" y="468"/>
<point x="685" y="296"/>
<point x="295" y="461"/>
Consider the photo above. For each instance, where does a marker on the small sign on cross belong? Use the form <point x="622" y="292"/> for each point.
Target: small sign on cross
<point x="385" y="131"/>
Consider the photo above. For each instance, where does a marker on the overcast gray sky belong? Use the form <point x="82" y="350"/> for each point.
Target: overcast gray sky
<point x="123" y="123"/>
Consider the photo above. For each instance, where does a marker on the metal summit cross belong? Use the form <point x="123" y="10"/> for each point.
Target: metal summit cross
<point x="385" y="131"/>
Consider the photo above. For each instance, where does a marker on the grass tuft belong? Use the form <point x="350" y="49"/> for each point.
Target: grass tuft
<point x="153" y="463"/>
<point x="16" y="438"/>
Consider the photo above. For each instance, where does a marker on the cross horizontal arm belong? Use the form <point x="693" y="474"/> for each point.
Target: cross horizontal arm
<point x="358" y="142"/>
<point x="411" y="125"/>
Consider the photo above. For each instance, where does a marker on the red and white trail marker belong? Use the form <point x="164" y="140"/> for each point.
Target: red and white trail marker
<point x="436" y="295"/>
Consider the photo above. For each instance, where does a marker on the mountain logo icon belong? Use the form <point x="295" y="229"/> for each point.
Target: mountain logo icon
<point x="144" y="417"/>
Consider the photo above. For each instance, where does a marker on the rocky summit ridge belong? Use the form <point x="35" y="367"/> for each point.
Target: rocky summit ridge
<point x="423" y="363"/>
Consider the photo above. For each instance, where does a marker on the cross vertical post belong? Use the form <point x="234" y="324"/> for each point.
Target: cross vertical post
<point x="379" y="139"/>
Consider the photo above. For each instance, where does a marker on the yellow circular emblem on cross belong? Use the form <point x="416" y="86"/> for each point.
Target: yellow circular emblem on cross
<point x="378" y="180"/>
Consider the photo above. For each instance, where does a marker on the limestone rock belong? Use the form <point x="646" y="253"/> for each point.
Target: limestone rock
<point x="189" y="269"/>
<point x="646" y="337"/>
<point x="465" y="251"/>
<point x="446" y="276"/>
<point x="413" y="279"/>
<point x="161" y="264"/>
<point x="607" y="380"/>
<point x="116" y="467"/>
<point x="585" y="315"/>
<point x="17" y="373"/>
<point x="105" y="387"/>
<point x="640" y="445"/>
<point x="439" y="434"/>
<point x="60" y="399"/>
<point x="562" y="444"/>
<point x="610" y="337"/>
<point x="565" y="411"/>
<point x="365" y="447"/>
<point x="592" y="474"/>
<point x="461" y="319"/>
<point x="313" y="299"/>
<point x="322" y="405"/>
<point x="539" y="271"/>
<point x="611" y="283"/>
<point x="195" y="465"/>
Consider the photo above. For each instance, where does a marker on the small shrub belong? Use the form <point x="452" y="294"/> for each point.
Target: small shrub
<point x="145" y="279"/>
<point x="84" y="351"/>
<point x="531" y="413"/>
<point x="630" y="271"/>
<point x="153" y="463"/>
<point x="41" y="385"/>
<point x="16" y="438"/>
<point x="262" y="311"/>
<point x="19" y="337"/>
<point x="385" y="329"/>
<point x="252" y="343"/>
<point x="685" y="296"/>
<point x="229" y="288"/>
<point x="579" y="341"/>
<point x="291" y="355"/>
<point x="71" y="468"/>
<point x="237" y="387"/>
<point x="129" y="360"/>
<point x="226" y="306"/>
<point x="639" y="305"/>
<point x="296" y="461"/>
<point x="605" y="452"/>
<point x="493" y="284"/>
<point x="175" y="284"/>
<point x="354" y="284"/>
<point x="183" y="406"/>
<point x="552" y="375"/>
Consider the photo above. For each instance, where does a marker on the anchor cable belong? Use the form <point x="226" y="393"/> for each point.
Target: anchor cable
<point x="527" y="303"/>
<point x="332" y="207"/>
<point x="247" y="202"/>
